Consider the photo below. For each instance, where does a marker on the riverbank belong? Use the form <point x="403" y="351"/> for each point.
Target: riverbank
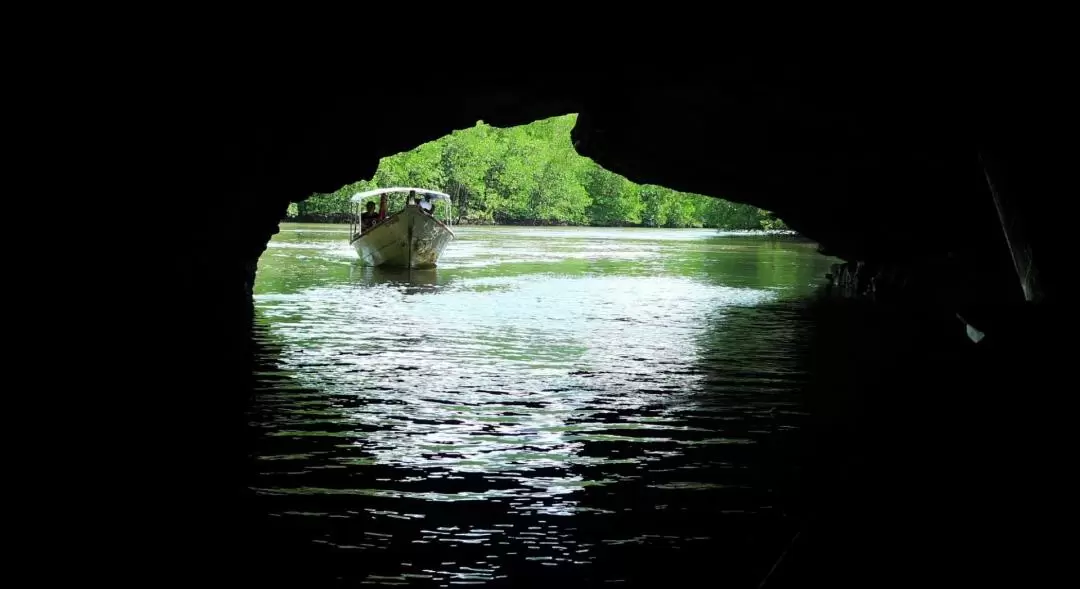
<point x="345" y="219"/>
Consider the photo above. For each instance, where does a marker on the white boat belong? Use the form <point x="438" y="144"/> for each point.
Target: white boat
<point x="409" y="238"/>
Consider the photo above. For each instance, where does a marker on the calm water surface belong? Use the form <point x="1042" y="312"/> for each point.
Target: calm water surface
<point x="550" y="404"/>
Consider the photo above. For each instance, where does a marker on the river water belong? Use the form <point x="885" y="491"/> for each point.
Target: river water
<point x="593" y="406"/>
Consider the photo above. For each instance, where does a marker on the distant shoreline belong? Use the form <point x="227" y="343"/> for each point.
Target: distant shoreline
<point x="344" y="220"/>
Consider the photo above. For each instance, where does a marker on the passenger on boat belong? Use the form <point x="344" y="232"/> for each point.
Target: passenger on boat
<point x="411" y="199"/>
<point x="369" y="217"/>
<point x="426" y="205"/>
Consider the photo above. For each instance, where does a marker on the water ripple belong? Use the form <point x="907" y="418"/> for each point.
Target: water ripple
<point x="477" y="427"/>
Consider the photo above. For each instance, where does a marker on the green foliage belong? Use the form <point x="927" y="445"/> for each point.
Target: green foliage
<point x="532" y="175"/>
<point x="770" y="222"/>
<point x="615" y="200"/>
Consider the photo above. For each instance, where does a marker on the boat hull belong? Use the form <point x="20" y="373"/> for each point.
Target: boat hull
<point x="409" y="239"/>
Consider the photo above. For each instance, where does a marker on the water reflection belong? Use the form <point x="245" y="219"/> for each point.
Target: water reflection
<point x="584" y="416"/>
<point x="412" y="281"/>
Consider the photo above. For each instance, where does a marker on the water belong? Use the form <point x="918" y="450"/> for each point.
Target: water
<point x="595" y="405"/>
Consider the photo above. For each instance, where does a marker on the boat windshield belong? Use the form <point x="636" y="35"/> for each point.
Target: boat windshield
<point x="391" y="201"/>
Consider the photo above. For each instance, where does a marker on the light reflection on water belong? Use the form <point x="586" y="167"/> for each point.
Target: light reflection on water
<point x="564" y="402"/>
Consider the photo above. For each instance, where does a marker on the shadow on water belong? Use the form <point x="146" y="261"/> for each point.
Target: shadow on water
<point x="675" y="471"/>
<point x="841" y="436"/>
<point x="717" y="501"/>
<point x="407" y="280"/>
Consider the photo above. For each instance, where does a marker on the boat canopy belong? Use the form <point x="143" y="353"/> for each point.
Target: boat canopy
<point x="435" y="195"/>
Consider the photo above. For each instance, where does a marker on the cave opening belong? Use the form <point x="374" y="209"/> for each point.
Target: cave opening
<point x="531" y="175"/>
<point x="580" y="339"/>
<point x="633" y="395"/>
